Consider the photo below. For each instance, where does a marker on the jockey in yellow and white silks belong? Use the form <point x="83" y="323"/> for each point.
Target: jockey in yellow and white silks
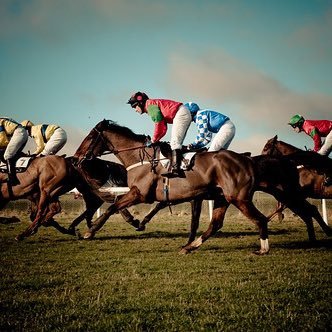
<point x="13" y="138"/>
<point x="49" y="138"/>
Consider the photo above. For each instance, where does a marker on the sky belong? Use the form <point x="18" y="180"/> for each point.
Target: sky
<point x="75" y="63"/>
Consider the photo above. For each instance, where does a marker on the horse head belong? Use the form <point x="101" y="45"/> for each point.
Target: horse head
<point x="93" y="144"/>
<point x="270" y="148"/>
<point x="109" y="137"/>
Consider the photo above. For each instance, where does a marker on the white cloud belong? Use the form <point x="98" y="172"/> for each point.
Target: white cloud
<point x="255" y="96"/>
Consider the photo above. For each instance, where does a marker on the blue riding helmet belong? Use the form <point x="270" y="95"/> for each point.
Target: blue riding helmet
<point x="193" y="107"/>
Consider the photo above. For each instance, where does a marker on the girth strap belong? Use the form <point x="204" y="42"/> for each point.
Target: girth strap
<point x="141" y="163"/>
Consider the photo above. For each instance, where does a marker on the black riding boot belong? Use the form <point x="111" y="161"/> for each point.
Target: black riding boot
<point x="12" y="178"/>
<point x="176" y="165"/>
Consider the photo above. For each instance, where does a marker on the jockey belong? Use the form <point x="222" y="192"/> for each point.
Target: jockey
<point x="49" y="138"/>
<point x="163" y="112"/>
<point x="316" y="129"/>
<point x="13" y="138"/>
<point x="210" y="122"/>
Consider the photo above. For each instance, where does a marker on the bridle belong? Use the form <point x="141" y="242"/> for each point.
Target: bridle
<point x="274" y="151"/>
<point x="89" y="154"/>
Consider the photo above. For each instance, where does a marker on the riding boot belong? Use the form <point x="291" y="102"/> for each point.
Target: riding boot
<point x="176" y="165"/>
<point x="12" y="178"/>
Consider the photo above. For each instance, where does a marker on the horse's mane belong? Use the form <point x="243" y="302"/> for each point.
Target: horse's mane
<point x="116" y="128"/>
<point x="290" y="146"/>
<point x="103" y="170"/>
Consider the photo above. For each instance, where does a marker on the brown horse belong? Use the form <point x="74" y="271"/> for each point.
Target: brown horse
<point x="311" y="166"/>
<point x="41" y="183"/>
<point x="91" y="175"/>
<point x="225" y="176"/>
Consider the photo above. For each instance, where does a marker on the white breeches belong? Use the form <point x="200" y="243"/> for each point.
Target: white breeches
<point x="223" y="137"/>
<point x="55" y="143"/>
<point x="180" y="126"/>
<point x="326" y="148"/>
<point x="16" y="143"/>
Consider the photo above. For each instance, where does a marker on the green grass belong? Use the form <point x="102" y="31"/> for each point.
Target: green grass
<point x="129" y="281"/>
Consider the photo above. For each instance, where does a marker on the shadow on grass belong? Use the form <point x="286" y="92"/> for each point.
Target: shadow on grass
<point x="172" y="235"/>
<point x="320" y="244"/>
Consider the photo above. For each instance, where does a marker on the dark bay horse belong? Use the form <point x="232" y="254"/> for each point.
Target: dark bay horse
<point x="311" y="167"/>
<point x="93" y="174"/>
<point x="224" y="176"/>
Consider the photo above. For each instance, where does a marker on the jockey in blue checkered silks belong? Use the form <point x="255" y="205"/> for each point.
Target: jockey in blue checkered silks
<point x="210" y="122"/>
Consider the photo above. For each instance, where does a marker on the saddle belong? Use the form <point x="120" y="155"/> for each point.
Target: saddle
<point x="187" y="155"/>
<point x="21" y="165"/>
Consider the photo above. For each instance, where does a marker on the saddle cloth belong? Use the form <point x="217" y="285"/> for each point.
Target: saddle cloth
<point x="21" y="165"/>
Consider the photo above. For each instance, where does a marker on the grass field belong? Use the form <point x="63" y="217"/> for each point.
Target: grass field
<point x="129" y="281"/>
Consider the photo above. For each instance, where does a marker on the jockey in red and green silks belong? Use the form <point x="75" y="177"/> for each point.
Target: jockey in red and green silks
<point x="162" y="113"/>
<point x="316" y="129"/>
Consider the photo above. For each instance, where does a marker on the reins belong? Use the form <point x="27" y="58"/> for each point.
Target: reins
<point x="142" y="153"/>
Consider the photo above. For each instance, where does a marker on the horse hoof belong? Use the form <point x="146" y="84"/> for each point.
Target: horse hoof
<point x="19" y="237"/>
<point x="88" y="236"/>
<point x="140" y="228"/>
<point x="184" y="251"/>
<point x="135" y="223"/>
<point x="72" y="231"/>
<point x="260" y="252"/>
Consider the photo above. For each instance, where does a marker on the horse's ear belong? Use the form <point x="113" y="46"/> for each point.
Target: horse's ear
<point x="275" y="138"/>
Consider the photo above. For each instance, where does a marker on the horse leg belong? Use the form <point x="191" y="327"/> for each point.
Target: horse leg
<point x="317" y="216"/>
<point x="127" y="200"/>
<point x="306" y="212"/>
<point x="196" y="209"/>
<point x="128" y="217"/>
<point x="87" y="214"/>
<point x="280" y="207"/>
<point x="53" y="209"/>
<point x="252" y="213"/>
<point x="150" y="215"/>
<point x="78" y="220"/>
<point x="92" y="204"/>
<point x="41" y="212"/>
<point x="216" y="223"/>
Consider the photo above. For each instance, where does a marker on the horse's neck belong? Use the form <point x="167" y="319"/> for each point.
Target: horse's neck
<point x="285" y="148"/>
<point x="127" y="153"/>
<point x="128" y="158"/>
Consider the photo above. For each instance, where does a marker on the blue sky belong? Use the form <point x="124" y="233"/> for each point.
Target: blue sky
<point x="74" y="63"/>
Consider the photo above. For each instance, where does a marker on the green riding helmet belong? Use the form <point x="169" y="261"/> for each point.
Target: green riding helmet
<point x="296" y="120"/>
